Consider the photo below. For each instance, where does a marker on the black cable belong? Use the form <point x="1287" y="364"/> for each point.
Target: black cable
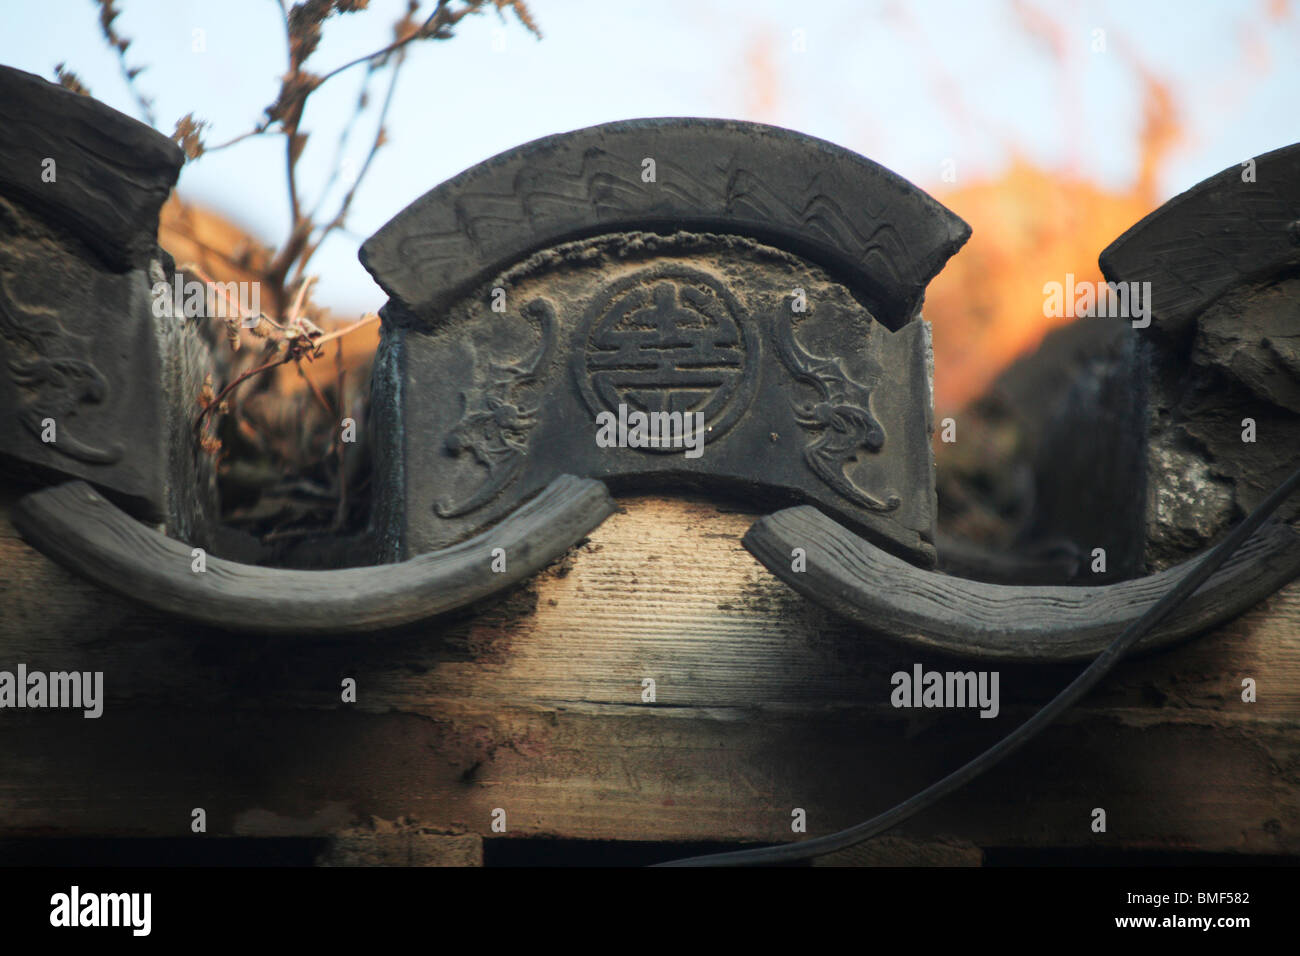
<point x="1089" y="678"/>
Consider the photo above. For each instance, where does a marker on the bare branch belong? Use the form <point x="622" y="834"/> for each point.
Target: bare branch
<point x="107" y="14"/>
<point x="380" y="136"/>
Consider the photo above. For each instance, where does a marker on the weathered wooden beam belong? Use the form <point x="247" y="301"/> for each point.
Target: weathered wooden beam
<point x="1165" y="780"/>
<point x="383" y="843"/>
<point x="895" y="851"/>
<point x="764" y="703"/>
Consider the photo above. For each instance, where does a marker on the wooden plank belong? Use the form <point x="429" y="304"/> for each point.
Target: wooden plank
<point x="764" y="702"/>
<point x="894" y="851"/>
<point x="386" y="843"/>
<point x="82" y="530"/>
<point x="641" y="776"/>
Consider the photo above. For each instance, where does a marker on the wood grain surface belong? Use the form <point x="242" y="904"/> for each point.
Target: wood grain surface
<point x="764" y="703"/>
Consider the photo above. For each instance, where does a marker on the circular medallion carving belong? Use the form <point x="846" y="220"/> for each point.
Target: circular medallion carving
<point x="668" y="339"/>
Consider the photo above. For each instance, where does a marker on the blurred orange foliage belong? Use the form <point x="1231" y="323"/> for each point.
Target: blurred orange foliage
<point x="1031" y="226"/>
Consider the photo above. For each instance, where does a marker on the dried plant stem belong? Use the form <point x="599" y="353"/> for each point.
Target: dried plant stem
<point x="340" y="446"/>
<point x="341" y="216"/>
<point x="437" y="22"/>
<point x="370" y="318"/>
<point x="295" y="310"/>
<point x="319" y="395"/>
<point x="293" y="352"/>
<point x="239" y="380"/>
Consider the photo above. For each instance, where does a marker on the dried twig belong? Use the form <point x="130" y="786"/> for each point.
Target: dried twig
<point x="295" y="346"/>
<point x="120" y="44"/>
<point x="346" y="204"/>
<point x="270" y="441"/>
<point x="340" y="446"/>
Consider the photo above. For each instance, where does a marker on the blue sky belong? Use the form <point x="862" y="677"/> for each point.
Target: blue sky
<point x="907" y="84"/>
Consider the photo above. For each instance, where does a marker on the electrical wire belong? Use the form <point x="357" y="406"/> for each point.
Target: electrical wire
<point x="1071" y="694"/>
